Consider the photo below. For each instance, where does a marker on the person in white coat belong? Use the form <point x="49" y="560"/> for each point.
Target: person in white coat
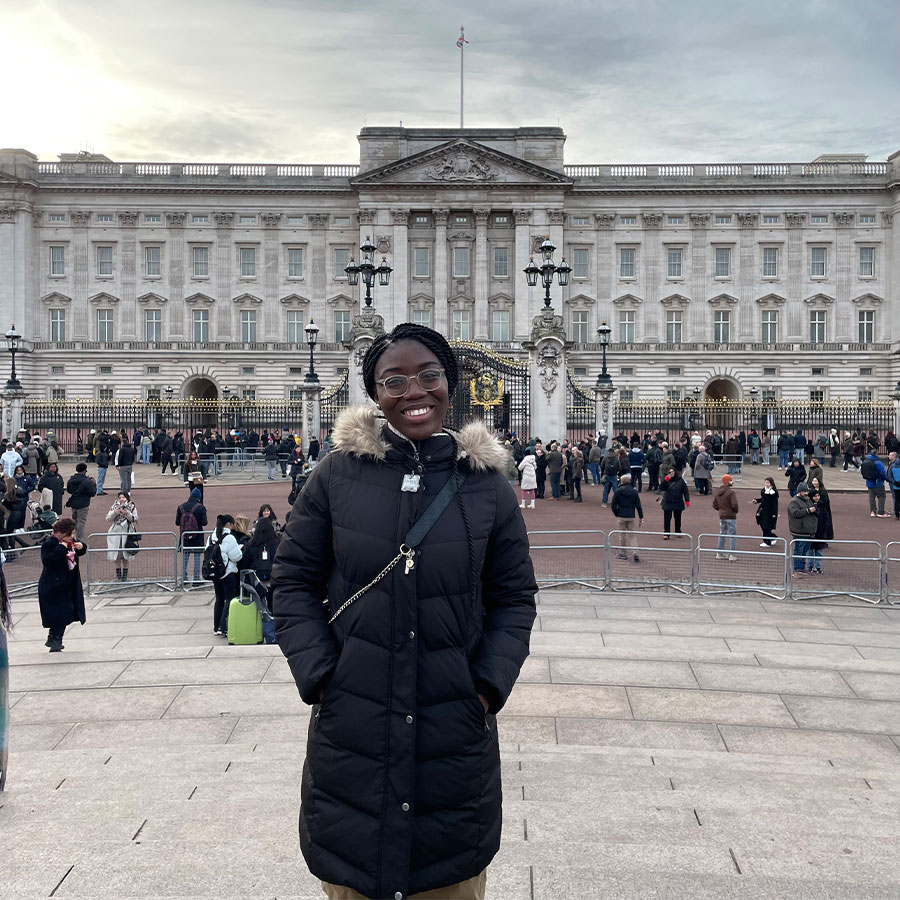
<point x="528" y="468"/>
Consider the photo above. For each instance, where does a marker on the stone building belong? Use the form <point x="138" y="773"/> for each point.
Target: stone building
<point x="126" y="278"/>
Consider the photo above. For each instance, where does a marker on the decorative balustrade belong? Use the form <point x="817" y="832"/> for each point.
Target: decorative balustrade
<point x="159" y="170"/>
<point x="727" y="170"/>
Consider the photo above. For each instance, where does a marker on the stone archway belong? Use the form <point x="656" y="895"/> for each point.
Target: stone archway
<point x="722" y="389"/>
<point x="200" y="388"/>
<point x="203" y="415"/>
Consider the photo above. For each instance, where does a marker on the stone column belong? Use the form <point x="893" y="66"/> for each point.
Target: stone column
<point x="744" y="329"/>
<point x="81" y="262"/>
<point x="400" y="262"/>
<point x="13" y="403"/>
<point x="269" y="329"/>
<point x="525" y="297"/>
<point x="699" y="280"/>
<point x="367" y="326"/>
<point x="128" y="267"/>
<point x="844" y="327"/>
<point x="605" y="269"/>
<point x="441" y="275"/>
<point x="651" y="265"/>
<point x="796" y="329"/>
<point x="8" y="261"/>
<point x="180" y="319"/>
<point x="481" y="324"/>
<point x="318" y="266"/>
<point x="604" y="408"/>
<point x="547" y="347"/>
<point x="312" y="411"/>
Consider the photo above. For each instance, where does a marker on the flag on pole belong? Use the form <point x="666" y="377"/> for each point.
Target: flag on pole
<point x="462" y="38"/>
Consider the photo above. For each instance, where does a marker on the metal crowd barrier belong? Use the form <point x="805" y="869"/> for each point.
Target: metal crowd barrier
<point x="571" y="561"/>
<point x="155" y="564"/>
<point x="658" y="565"/>
<point x="855" y="570"/>
<point x="734" y="465"/>
<point x="892" y="573"/>
<point x="190" y="560"/>
<point x="747" y="568"/>
<point x="22" y="569"/>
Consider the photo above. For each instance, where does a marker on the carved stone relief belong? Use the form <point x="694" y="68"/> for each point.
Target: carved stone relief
<point x="461" y="167"/>
<point x="317" y="220"/>
<point x="367" y="216"/>
<point x="549" y="361"/>
<point x="175" y="219"/>
<point x="270" y="219"/>
<point x="223" y="219"/>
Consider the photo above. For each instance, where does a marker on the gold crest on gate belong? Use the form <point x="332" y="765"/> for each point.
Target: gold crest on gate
<point x="486" y="391"/>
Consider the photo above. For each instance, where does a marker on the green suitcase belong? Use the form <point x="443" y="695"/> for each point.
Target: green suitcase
<point x="244" y="622"/>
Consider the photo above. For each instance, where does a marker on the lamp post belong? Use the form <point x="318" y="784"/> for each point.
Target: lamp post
<point x="695" y="414"/>
<point x="603" y="389"/>
<point x="12" y="342"/>
<point x="546" y="271"/>
<point x="603" y="332"/>
<point x="312" y="332"/>
<point x="754" y="414"/>
<point x="169" y="392"/>
<point x="368" y="270"/>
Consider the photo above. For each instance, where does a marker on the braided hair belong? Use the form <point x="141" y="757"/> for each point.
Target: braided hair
<point x="408" y="331"/>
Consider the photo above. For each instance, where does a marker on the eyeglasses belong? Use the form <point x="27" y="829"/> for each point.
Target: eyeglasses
<point x="398" y="385"/>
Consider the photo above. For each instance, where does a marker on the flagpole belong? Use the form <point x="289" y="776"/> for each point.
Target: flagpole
<point x="462" y="53"/>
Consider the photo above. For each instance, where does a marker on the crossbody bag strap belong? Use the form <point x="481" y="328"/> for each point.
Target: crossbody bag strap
<point x="414" y="537"/>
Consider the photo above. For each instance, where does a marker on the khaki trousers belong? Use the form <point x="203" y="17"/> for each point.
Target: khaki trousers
<point x="470" y="889"/>
<point x="628" y="527"/>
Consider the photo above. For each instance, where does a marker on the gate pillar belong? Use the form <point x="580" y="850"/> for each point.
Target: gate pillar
<point x="367" y="326"/>
<point x="604" y="407"/>
<point x="547" y="347"/>
<point x="13" y="412"/>
<point x="312" y="412"/>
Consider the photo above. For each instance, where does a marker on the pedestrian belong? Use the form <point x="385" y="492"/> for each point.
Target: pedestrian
<point x="52" y="480"/>
<point x="610" y="473"/>
<point x="626" y="507"/>
<point x="800" y="446"/>
<point x="146" y="446"/>
<point x="654" y="460"/>
<point x="10" y="459"/>
<point x="703" y="468"/>
<point x="259" y="554"/>
<point x="815" y="470"/>
<point x="60" y="595"/>
<point x="528" y="468"/>
<point x="13" y="510"/>
<point x="595" y="457"/>
<point x="767" y="511"/>
<point x="124" y="463"/>
<point x="796" y="476"/>
<point x="834" y="446"/>
<point x="753" y="445"/>
<point x="122" y="516"/>
<point x="766" y="447"/>
<point x="636" y="461"/>
<point x="847" y="445"/>
<point x="312" y="453"/>
<point x="674" y="500"/>
<point x="5" y="627"/>
<point x="266" y="512"/>
<point x="892" y="477"/>
<point x="226" y="588"/>
<point x="285" y="452"/>
<point x="81" y="488"/>
<point x="540" y="469"/>
<point x="191" y="519"/>
<point x="785" y="447"/>
<point x="554" y="470"/>
<point x="803" y="522"/>
<point x="872" y="469"/>
<point x="576" y="470"/>
<point x="424" y="662"/>
<point x="824" y="527"/>
<point x="31" y="459"/>
<point x="820" y="448"/>
<point x="667" y="460"/>
<point x="297" y="465"/>
<point x="169" y="451"/>
<point x="726" y="502"/>
<point x="270" y="454"/>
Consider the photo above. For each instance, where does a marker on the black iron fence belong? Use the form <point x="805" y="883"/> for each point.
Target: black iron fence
<point x="333" y="401"/>
<point x="580" y="409"/>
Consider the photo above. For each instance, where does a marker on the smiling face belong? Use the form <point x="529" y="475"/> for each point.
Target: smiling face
<point x="418" y="413"/>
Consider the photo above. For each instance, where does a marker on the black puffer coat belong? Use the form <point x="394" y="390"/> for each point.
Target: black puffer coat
<point x="60" y="594"/>
<point x="401" y="784"/>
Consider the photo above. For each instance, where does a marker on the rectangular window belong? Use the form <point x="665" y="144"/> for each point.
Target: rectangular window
<point x="863" y="220"/>
<point x="817" y="326"/>
<point x="461" y="263"/>
<point x="580" y="326"/>
<point x="818" y="220"/>
<point x="866" y="371"/>
<point x="674" y="259"/>
<point x="580" y="263"/>
<point x="153" y="325"/>
<point x="420" y="219"/>
<point x="422" y="317"/>
<point x="817" y="372"/>
<point x="723" y="262"/>
<point x="341" y="325"/>
<point x="460" y="326"/>
<point x="771" y="220"/>
<point x="105" y="326"/>
<point x="200" y="220"/>
<point x="104" y="262"/>
<point x="770" y="262"/>
<point x="581" y="221"/>
<point x="500" y="325"/>
<point x="461" y="220"/>
<point x="628" y="220"/>
<point x="626" y="395"/>
<point x="200" y="257"/>
<point x="626" y="326"/>
<point x="770" y="327"/>
<point x="723" y="220"/>
<point x="153" y="370"/>
<point x="61" y="217"/>
<point x="248" y="262"/>
<point x="151" y="262"/>
<point x="673" y="326"/>
<point x="104" y="393"/>
<point x="421" y="262"/>
<point x="152" y="219"/>
<point x="817" y="395"/>
<point x="817" y="258"/>
<point x="295" y="324"/>
<point x="57" y="260"/>
<point x="341" y="221"/>
<point x="675" y="220"/>
<point x="248" y="326"/>
<point x="627" y="371"/>
<point x="106" y="218"/>
<point x="501" y="262"/>
<point x="864" y="396"/>
<point x="58" y="394"/>
<point x="153" y="394"/>
<point x="246" y="220"/>
<point x="768" y="395"/>
<point x="57" y="324"/>
<point x="626" y="262"/>
<point x="770" y="370"/>
<point x="501" y="220"/>
<point x="721" y="326"/>
<point x="866" y="262"/>
<point x="57" y="370"/>
<point x="867" y="326"/>
<point x="295" y="395"/>
<point x="341" y="261"/>
<point x="295" y="262"/>
<point x="673" y="395"/>
<point x="673" y="371"/>
<point x="295" y="220"/>
<point x="248" y="394"/>
<point x="201" y="326"/>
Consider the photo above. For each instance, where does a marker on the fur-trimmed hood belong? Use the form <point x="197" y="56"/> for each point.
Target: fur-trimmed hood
<point x="358" y="431"/>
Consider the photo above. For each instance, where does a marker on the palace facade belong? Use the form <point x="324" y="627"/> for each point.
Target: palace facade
<point x="126" y="278"/>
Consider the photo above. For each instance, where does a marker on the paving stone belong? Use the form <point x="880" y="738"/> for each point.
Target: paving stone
<point x="92" y="705"/>
<point x="73" y="675"/>
<point x="647" y="614"/>
<point x="667" y="704"/>
<point x="651" y="642"/>
<point x="744" y="887"/>
<point x="23" y="738"/>
<point x="526" y="729"/>
<point x="193" y="671"/>
<point x="841" y="664"/>
<point x="687" y="601"/>
<point x="849" y="610"/>
<point x="855" y="638"/>
<point x="168" y="640"/>
<point x="698" y="629"/>
<point x="569" y="610"/>
<point x="179" y="613"/>
<point x="872" y="686"/>
<point x="884" y="653"/>
<point x="601" y="626"/>
<point x="221" y="648"/>
<point x="272" y="729"/>
<point x="795" y="648"/>
<point x="776" y="619"/>
<point x="832" y="714"/>
<point x="795" y="741"/>
<point x="621" y="733"/>
<point x="773" y="680"/>
<point x="236" y="700"/>
<point x="572" y="700"/>
<point x="623" y="672"/>
<point x="19" y="649"/>
<point x="148" y="733"/>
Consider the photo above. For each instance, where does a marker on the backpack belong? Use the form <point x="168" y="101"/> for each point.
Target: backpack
<point x="822" y="442"/>
<point x="189" y="523"/>
<point x="213" y="566"/>
<point x="709" y="463"/>
<point x="868" y="469"/>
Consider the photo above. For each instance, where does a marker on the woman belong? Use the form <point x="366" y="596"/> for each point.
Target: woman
<point x="54" y="481"/>
<point x="540" y="469"/>
<point x="24" y="481"/>
<point x="528" y="468"/>
<point x="226" y="588"/>
<point x="796" y="476"/>
<point x="296" y="471"/>
<point x="13" y="508"/>
<point x="190" y="466"/>
<point x="675" y="499"/>
<point x="825" y="528"/>
<point x="242" y="529"/>
<point x="122" y="517"/>
<point x="576" y="470"/>
<point x="266" y="512"/>
<point x="767" y="511"/>
<point x="406" y="681"/>
<point x="60" y="594"/>
<point x="259" y="553"/>
<point x="5" y="625"/>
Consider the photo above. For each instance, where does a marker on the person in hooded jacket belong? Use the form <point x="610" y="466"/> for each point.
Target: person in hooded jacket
<point x="767" y="511"/>
<point x="796" y="476"/>
<point x="401" y="782"/>
<point x="674" y="500"/>
<point x="60" y="594"/>
<point x="824" y="529"/>
<point x="528" y="468"/>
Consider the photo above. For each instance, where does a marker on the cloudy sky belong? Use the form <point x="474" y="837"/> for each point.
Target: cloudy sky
<point x="294" y="80"/>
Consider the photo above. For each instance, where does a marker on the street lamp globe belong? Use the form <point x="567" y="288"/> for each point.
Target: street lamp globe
<point x="532" y="272"/>
<point x="548" y="248"/>
<point x="12" y="342"/>
<point x="603" y="333"/>
<point x="563" y="270"/>
<point x="312" y="332"/>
